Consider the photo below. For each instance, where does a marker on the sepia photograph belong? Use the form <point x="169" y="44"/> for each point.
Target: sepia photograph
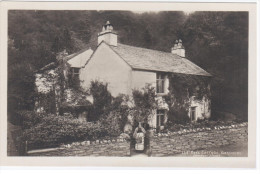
<point x="127" y="83"/>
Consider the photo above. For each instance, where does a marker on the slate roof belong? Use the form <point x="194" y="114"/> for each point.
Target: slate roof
<point x="79" y="59"/>
<point x="49" y="66"/>
<point x="152" y="60"/>
<point x="76" y="60"/>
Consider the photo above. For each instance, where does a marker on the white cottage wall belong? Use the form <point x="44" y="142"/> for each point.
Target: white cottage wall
<point x="142" y="78"/>
<point x="106" y="66"/>
<point x="202" y="108"/>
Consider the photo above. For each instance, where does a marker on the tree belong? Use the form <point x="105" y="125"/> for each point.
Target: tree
<point x="218" y="42"/>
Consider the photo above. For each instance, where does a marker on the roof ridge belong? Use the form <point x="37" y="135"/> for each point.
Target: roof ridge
<point x="163" y="52"/>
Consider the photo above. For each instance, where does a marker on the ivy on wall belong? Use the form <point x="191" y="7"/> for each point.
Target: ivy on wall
<point x="58" y="79"/>
<point x="181" y="88"/>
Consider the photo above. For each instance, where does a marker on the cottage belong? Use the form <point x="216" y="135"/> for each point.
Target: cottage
<point x="125" y="68"/>
<point x="49" y="88"/>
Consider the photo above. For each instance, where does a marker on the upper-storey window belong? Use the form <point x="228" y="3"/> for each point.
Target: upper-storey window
<point x="160" y="82"/>
<point x="75" y="73"/>
<point x="74" y="81"/>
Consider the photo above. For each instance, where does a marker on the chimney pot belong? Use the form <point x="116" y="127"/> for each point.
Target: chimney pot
<point x="178" y="48"/>
<point x="108" y="35"/>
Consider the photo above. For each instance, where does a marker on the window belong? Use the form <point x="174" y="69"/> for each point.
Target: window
<point x="193" y="114"/>
<point x="160" y="118"/>
<point x="75" y="73"/>
<point x="74" y="81"/>
<point x="160" y="80"/>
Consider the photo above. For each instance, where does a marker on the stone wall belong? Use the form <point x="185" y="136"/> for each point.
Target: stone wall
<point x="119" y="148"/>
<point x="162" y="144"/>
<point x="189" y="140"/>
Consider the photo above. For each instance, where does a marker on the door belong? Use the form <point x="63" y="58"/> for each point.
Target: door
<point x="160" y="118"/>
<point x="193" y="114"/>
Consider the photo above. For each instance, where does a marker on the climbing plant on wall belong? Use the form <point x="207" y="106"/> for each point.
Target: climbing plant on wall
<point x="56" y="81"/>
<point x="144" y="103"/>
<point x="181" y="88"/>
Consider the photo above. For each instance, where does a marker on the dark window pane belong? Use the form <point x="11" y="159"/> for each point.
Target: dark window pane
<point x="160" y="86"/>
<point x="76" y="70"/>
<point x="160" y="117"/>
<point x="160" y="82"/>
<point x="193" y="113"/>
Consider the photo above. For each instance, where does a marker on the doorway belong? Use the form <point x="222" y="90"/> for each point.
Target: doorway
<point x="193" y="114"/>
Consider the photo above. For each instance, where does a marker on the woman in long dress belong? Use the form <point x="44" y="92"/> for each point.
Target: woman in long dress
<point x="139" y="135"/>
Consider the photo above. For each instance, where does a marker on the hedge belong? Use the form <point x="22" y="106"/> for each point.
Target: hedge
<point x="55" y="130"/>
<point x="29" y="118"/>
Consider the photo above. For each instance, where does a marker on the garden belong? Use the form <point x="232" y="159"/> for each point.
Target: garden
<point x="107" y="116"/>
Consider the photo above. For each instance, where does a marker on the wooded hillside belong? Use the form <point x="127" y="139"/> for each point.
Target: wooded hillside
<point x="216" y="41"/>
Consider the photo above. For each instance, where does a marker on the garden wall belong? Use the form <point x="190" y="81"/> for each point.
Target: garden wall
<point x="117" y="147"/>
<point x="195" y="139"/>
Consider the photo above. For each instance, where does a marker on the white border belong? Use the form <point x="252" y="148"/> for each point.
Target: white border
<point x="155" y="6"/>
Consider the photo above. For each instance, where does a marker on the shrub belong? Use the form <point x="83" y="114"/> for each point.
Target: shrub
<point x="104" y="104"/>
<point x="47" y="101"/>
<point x="119" y="109"/>
<point x="178" y="115"/>
<point x="110" y="124"/>
<point x="144" y="103"/>
<point x="74" y="110"/>
<point x="102" y="99"/>
<point x="54" y="130"/>
<point x="30" y="118"/>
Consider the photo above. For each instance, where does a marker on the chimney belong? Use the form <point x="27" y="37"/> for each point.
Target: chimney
<point x="108" y="35"/>
<point x="178" y="48"/>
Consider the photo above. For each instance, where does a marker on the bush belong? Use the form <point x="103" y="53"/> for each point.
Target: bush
<point x="144" y="103"/>
<point x="110" y="124"/>
<point x="119" y="109"/>
<point x="102" y="99"/>
<point x="29" y="118"/>
<point x="178" y="115"/>
<point x="74" y="110"/>
<point x="54" y="130"/>
<point x="104" y="104"/>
